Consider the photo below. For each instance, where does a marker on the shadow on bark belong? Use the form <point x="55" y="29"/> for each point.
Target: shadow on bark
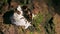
<point x="6" y="17"/>
<point x="49" y="27"/>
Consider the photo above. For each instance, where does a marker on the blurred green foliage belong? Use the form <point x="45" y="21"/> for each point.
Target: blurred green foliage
<point x="5" y="1"/>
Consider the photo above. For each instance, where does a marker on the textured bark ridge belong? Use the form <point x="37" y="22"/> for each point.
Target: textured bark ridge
<point x="47" y="20"/>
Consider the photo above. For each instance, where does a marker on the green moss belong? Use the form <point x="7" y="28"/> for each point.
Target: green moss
<point x="31" y="32"/>
<point x="37" y="20"/>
